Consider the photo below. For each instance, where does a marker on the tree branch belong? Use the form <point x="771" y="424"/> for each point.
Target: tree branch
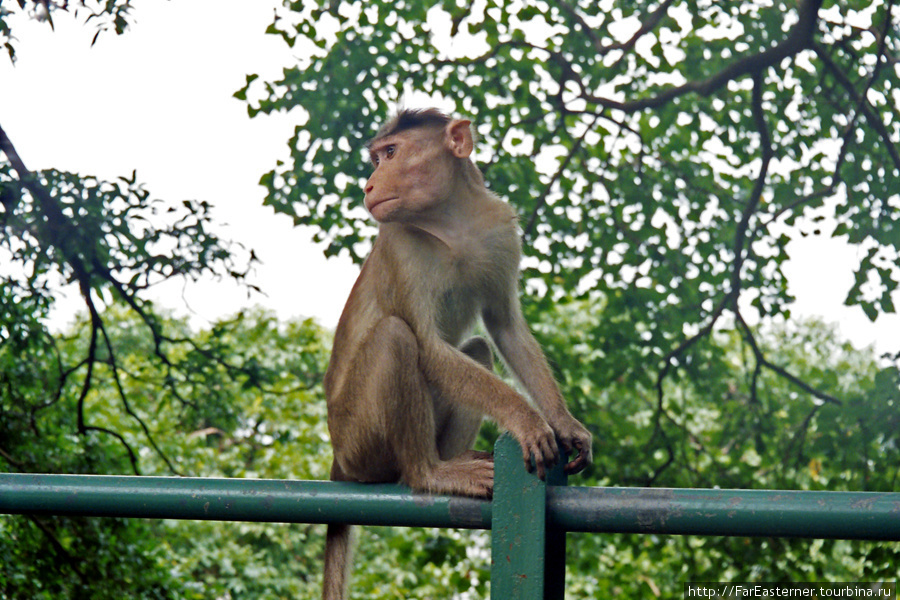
<point x="6" y="146"/>
<point x="761" y="359"/>
<point x="816" y="195"/>
<point x="532" y="221"/>
<point x="8" y="458"/>
<point x="588" y="31"/>
<point x="90" y="361"/>
<point x="124" y="398"/>
<point x="860" y="99"/>
<point x="59" y="229"/>
<point x="68" y="558"/>
<point x="740" y="240"/>
<point x="647" y="25"/>
<point x="798" y="38"/>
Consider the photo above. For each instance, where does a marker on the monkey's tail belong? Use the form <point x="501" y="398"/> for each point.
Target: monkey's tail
<point x="338" y="561"/>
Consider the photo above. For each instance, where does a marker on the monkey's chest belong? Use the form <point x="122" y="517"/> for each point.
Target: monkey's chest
<point x="462" y="283"/>
<point x="457" y="308"/>
<point x="468" y="287"/>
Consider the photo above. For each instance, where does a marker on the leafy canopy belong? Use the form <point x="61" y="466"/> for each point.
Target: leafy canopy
<point x="102" y="15"/>
<point x="658" y="153"/>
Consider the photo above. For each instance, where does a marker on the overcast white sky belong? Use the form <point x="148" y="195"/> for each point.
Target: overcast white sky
<point x="159" y="99"/>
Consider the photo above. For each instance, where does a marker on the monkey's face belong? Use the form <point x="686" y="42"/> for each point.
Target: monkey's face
<point x="414" y="175"/>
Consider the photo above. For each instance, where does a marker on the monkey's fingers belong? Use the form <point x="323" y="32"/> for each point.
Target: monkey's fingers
<point x="528" y="456"/>
<point x="541" y="457"/>
<point x="539" y="466"/>
<point x="577" y="464"/>
<point x="581" y="460"/>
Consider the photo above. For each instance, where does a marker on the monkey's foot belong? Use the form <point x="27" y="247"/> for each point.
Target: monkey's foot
<point x="477" y="455"/>
<point x="470" y="474"/>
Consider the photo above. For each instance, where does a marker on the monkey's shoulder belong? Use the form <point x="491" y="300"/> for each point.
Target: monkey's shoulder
<point x="495" y="246"/>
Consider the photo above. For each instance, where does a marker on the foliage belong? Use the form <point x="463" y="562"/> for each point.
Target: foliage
<point x="719" y="432"/>
<point x="103" y="15"/>
<point x="113" y="241"/>
<point x="657" y="152"/>
<point x="734" y="427"/>
<point x="263" y="415"/>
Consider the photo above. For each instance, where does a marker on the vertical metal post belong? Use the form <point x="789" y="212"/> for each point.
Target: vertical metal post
<point x="528" y="560"/>
<point x="555" y="544"/>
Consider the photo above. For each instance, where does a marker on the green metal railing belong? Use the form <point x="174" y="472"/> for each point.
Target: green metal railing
<point x="528" y="517"/>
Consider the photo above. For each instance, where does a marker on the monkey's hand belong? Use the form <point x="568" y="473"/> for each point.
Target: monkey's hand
<point x="538" y="443"/>
<point x="573" y="437"/>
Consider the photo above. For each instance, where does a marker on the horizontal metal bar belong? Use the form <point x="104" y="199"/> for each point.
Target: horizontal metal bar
<point x="237" y="500"/>
<point x="834" y="515"/>
<point x="769" y="513"/>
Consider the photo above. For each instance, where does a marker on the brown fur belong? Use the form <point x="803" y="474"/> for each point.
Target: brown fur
<point x="406" y="394"/>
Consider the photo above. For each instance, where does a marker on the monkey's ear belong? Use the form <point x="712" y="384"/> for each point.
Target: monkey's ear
<point x="459" y="138"/>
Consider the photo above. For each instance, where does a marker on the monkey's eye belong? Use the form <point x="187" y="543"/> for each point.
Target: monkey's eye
<point x="389" y="151"/>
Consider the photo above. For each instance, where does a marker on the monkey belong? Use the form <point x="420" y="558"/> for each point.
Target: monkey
<point x="406" y="392"/>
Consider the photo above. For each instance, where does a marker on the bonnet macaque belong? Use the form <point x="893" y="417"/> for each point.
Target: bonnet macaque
<point x="406" y="391"/>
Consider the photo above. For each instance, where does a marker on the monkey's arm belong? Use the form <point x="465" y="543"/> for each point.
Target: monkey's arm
<point x="524" y="356"/>
<point x="458" y="377"/>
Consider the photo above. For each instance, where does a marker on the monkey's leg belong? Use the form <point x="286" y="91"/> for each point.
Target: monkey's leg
<point x="458" y="425"/>
<point x="411" y="430"/>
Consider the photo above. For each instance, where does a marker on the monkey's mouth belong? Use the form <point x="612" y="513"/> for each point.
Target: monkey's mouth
<point x="380" y="201"/>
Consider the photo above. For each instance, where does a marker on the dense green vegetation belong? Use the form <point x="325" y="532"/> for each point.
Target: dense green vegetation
<point x="224" y="424"/>
<point x="659" y="153"/>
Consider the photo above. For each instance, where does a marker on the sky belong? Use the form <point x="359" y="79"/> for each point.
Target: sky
<point x="159" y="100"/>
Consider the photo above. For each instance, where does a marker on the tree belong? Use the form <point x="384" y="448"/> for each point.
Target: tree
<point x="657" y="152"/>
<point x="734" y="427"/>
<point x="214" y="424"/>
<point x="110" y="15"/>
<point x="722" y="436"/>
<point x="113" y="241"/>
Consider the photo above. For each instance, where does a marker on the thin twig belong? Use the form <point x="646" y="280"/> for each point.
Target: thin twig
<point x="741" y="243"/>
<point x="532" y="221"/>
<point x="798" y="38"/>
